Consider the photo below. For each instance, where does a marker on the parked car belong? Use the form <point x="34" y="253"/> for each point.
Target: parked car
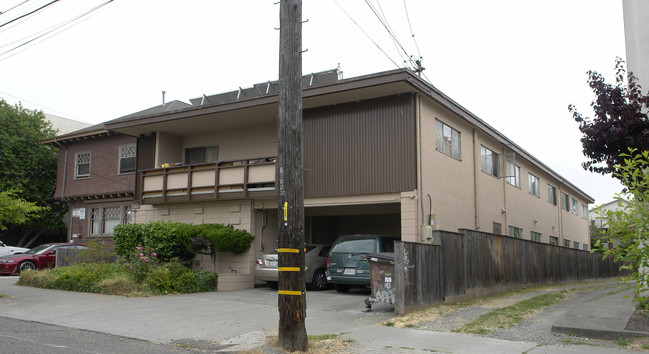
<point x="7" y="250"/>
<point x="347" y="263"/>
<point x="41" y="257"/>
<point x="315" y="261"/>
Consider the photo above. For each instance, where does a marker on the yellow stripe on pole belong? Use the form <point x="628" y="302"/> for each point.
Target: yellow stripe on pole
<point x="289" y="292"/>
<point x="288" y="250"/>
<point x="288" y="269"/>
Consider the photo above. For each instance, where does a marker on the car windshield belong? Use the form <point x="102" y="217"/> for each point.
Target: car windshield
<point x="357" y="245"/>
<point x="38" y="250"/>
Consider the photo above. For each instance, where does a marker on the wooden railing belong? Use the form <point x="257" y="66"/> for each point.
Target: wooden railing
<point x="224" y="179"/>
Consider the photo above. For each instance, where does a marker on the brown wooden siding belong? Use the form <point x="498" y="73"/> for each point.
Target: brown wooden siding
<point x="365" y="147"/>
<point x="145" y="160"/>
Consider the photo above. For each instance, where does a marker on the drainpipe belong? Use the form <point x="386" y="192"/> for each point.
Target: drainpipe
<point x="420" y="216"/>
<point x="475" y="181"/>
<point x="65" y="175"/>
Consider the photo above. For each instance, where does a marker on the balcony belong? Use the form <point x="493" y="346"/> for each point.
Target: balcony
<point x="235" y="179"/>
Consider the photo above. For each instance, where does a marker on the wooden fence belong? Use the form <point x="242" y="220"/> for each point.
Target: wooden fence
<point x="471" y="264"/>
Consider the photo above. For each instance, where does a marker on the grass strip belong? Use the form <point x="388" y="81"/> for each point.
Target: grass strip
<point x="511" y="315"/>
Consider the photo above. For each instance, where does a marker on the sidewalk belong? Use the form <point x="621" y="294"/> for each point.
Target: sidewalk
<point x="241" y="320"/>
<point x="602" y="318"/>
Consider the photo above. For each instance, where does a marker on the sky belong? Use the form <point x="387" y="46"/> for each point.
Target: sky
<point x="516" y="64"/>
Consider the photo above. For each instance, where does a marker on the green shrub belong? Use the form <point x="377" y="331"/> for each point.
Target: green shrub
<point x="223" y="238"/>
<point x="169" y="240"/>
<point x="127" y="237"/>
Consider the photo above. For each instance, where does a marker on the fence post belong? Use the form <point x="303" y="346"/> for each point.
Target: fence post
<point x="399" y="281"/>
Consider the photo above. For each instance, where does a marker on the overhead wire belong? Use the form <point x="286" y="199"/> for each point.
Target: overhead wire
<point x="412" y="34"/>
<point x="52" y="29"/>
<point x="390" y="33"/>
<point x="29" y="13"/>
<point x="11" y="8"/>
<point x="367" y="35"/>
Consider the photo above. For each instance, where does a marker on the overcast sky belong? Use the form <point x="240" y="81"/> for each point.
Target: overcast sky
<point x="517" y="64"/>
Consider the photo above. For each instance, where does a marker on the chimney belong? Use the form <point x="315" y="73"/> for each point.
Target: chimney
<point x="163" y="97"/>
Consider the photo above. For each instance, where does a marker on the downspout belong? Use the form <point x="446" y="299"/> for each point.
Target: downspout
<point x="65" y="175"/>
<point x="475" y="181"/>
<point x="420" y="215"/>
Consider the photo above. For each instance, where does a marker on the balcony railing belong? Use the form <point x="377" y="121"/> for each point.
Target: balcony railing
<point x="224" y="179"/>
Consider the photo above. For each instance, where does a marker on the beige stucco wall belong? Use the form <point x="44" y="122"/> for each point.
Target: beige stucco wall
<point x="465" y="197"/>
<point x="260" y="141"/>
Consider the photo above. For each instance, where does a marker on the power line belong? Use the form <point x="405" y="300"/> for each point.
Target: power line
<point x="390" y="33"/>
<point x="15" y="6"/>
<point x="412" y="34"/>
<point x="54" y="28"/>
<point x="29" y="13"/>
<point x="367" y="35"/>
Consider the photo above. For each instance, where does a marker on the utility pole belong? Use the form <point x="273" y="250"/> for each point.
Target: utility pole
<point x="290" y="194"/>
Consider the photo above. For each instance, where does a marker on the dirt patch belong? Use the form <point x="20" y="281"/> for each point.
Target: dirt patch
<point x="639" y="321"/>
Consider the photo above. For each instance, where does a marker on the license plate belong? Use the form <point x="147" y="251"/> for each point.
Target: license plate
<point x="350" y="271"/>
<point x="272" y="264"/>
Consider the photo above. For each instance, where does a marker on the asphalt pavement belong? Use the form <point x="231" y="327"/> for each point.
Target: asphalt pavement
<point x="242" y="319"/>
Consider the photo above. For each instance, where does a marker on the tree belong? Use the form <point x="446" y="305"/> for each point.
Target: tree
<point x="14" y="210"/>
<point x="628" y="225"/>
<point x="619" y="122"/>
<point x="30" y="167"/>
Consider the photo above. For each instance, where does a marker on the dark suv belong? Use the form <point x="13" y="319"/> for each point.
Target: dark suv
<point x="347" y="263"/>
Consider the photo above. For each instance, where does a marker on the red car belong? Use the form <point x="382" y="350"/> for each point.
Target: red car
<point x="41" y="257"/>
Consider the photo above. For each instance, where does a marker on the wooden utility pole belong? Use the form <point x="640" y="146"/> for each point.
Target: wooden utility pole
<point x="290" y="194"/>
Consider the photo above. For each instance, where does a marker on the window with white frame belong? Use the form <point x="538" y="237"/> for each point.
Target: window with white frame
<point x="584" y="211"/>
<point x="448" y="140"/>
<point x="565" y="202"/>
<point x="201" y="154"/>
<point x="575" y="206"/>
<point x="576" y="245"/>
<point x="82" y="165"/>
<point x="104" y="219"/>
<point x="552" y="195"/>
<point x="515" y="232"/>
<point x="585" y="247"/>
<point x="566" y="243"/>
<point x="489" y="161"/>
<point x="127" y="159"/>
<point x="535" y="189"/>
<point x="554" y="240"/>
<point x="535" y="236"/>
<point x="515" y="178"/>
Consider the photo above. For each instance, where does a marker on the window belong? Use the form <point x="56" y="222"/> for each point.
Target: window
<point x="127" y="159"/>
<point x="552" y="195"/>
<point x="575" y="245"/>
<point x="535" y="236"/>
<point x="82" y="168"/>
<point x="586" y="247"/>
<point x="575" y="206"/>
<point x="515" y="232"/>
<point x="448" y="140"/>
<point x="201" y="155"/>
<point x="554" y="240"/>
<point x="489" y="161"/>
<point x="584" y="211"/>
<point x="497" y="228"/>
<point x="103" y="220"/>
<point x="535" y="189"/>
<point x="566" y="243"/>
<point x="514" y="173"/>
<point x="565" y="201"/>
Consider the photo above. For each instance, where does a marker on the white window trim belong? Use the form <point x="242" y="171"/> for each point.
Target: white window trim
<point x="534" y="191"/>
<point x="495" y="161"/>
<point x="119" y="159"/>
<point x="516" y="179"/>
<point x="439" y="140"/>
<point x="76" y="164"/>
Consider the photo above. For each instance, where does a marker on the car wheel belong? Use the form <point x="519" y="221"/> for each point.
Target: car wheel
<point x="272" y="284"/>
<point x="26" y="265"/>
<point x="319" y="281"/>
<point x="341" y="288"/>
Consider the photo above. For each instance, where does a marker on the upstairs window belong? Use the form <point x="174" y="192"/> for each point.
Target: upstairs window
<point x="535" y="236"/>
<point x="535" y="189"/>
<point x="552" y="195"/>
<point x="202" y="154"/>
<point x="514" y="180"/>
<point x="554" y="240"/>
<point x="575" y="245"/>
<point x="489" y="161"/>
<point x="584" y="211"/>
<point x="127" y="159"/>
<point x="566" y="243"/>
<point x="82" y="165"/>
<point x="447" y="140"/>
<point x="575" y="206"/>
<point x="565" y="202"/>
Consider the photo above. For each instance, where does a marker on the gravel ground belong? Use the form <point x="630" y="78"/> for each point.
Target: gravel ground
<point x="536" y="329"/>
